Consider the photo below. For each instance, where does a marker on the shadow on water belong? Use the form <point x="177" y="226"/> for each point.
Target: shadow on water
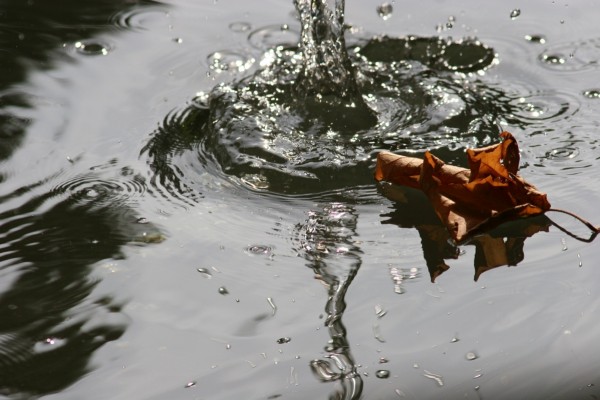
<point x="502" y="246"/>
<point x="49" y="323"/>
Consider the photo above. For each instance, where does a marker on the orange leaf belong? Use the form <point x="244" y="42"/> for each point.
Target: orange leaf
<point x="469" y="201"/>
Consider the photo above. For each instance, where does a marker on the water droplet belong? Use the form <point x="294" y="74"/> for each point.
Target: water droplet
<point x="223" y="290"/>
<point x="436" y="377"/>
<point x="383" y="360"/>
<point x="90" y="48"/>
<point x="259" y="249"/>
<point x="579" y="258"/>
<point x="379" y="311"/>
<point x="190" y="384"/>
<point x="178" y="40"/>
<point x="553" y="59"/>
<point x="540" y="39"/>
<point x="385" y="10"/>
<point x="592" y="94"/>
<point x="454" y="340"/>
<point x="515" y="13"/>
<point x="284" y="340"/>
<point x="239" y="27"/>
<point x="564" y="244"/>
<point x="142" y="220"/>
<point x="272" y="304"/>
<point x="382" y="374"/>
<point x="228" y="346"/>
<point x="471" y="356"/>
<point x="205" y="273"/>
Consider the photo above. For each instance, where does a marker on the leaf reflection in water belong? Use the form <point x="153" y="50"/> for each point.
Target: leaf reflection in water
<point x="502" y="246"/>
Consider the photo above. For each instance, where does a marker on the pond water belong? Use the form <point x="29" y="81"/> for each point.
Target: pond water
<point x="181" y="220"/>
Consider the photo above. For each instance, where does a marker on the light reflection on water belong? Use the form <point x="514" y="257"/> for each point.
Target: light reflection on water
<point x="83" y="292"/>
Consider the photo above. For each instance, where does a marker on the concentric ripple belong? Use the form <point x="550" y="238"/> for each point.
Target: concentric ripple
<point x="90" y="188"/>
<point x="573" y="57"/>
<point x="272" y="36"/>
<point x="142" y="18"/>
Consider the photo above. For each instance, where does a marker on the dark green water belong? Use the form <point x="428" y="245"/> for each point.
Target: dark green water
<point x="178" y="219"/>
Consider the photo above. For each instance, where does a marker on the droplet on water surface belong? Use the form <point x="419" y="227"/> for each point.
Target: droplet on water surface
<point x="239" y="27"/>
<point x="92" y="48"/>
<point x="190" y="384"/>
<point x="223" y="290"/>
<point x="592" y="94"/>
<point x="436" y="377"/>
<point x="284" y="340"/>
<point x="382" y="374"/>
<point x="553" y="59"/>
<point x="385" y="10"/>
<point x="515" y="13"/>
<point x="259" y="249"/>
<point x="541" y="39"/>
<point x="205" y="273"/>
<point x="471" y="356"/>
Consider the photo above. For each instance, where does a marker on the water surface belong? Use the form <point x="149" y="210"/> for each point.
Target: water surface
<point x="176" y="225"/>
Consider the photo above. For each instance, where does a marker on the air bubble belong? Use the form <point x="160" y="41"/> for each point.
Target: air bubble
<point x="514" y="14"/>
<point x="471" y="356"/>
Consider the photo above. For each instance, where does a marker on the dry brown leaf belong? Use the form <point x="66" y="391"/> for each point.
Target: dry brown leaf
<point x="469" y="201"/>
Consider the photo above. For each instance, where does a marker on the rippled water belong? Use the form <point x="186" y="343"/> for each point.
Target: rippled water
<point x="182" y="219"/>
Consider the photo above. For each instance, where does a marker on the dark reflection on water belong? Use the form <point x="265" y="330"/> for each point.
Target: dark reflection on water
<point x="502" y="246"/>
<point x="49" y="327"/>
<point x="30" y="31"/>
